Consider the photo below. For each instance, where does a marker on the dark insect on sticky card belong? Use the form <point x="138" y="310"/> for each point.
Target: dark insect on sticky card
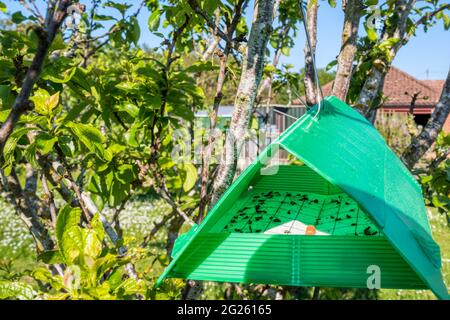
<point x="238" y="230"/>
<point x="288" y="194"/>
<point x="367" y="231"/>
<point x="338" y="219"/>
<point x="258" y="218"/>
<point x="258" y="230"/>
<point x="332" y="217"/>
<point x="233" y="220"/>
<point x="226" y="227"/>
<point x="352" y="210"/>
<point x="250" y="222"/>
<point x="276" y="220"/>
<point x="353" y="224"/>
<point x="293" y="203"/>
<point x="289" y="212"/>
<point x="348" y="216"/>
<point x="245" y="218"/>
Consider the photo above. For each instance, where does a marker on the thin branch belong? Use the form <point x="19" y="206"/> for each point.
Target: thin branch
<point x="157" y="226"/>
<point x="49" y="199"/>
<point x="195" y="6"/>
<point x="430" y="15"/>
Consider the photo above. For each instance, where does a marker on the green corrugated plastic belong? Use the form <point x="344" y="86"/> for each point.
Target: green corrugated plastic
<point x="356" y="189"/>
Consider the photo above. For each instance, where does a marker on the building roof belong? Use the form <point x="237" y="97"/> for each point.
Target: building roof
<point x="399" y="87"/>
<point x="346" y="150"/>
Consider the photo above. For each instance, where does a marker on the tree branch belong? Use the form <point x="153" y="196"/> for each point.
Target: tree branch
<point x="353" y="12"/>
<point x="310" y="79"/>
<point x="421" y="143"/>
<point x="56" y="14"/>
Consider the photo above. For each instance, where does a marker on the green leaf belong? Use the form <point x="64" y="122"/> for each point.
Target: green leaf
<point x="30" y="155"/>
<point x="89" y="136"/>
<point x="2" y="7"/>
<point x="200" y="66"/>
<point x="66" y="76"/>
<point x="371" y="2"/>
<point x="331" y="65"/>
<point x="16" y="290"/>
<point x="18" y="17"/>
<point x="446" y="19"/>
<point x="97" y="226"/>
<point x="122" y="8"/>
<point x="426" y="179"/>
<point x="126" y="173"/>
<point x="11" y="144"/>
<point x="44" y="103"/>
<point x="129" y="108"/>
<point x="100" y="17"/>
<point x="128" y="86"/>
<point x="286" y="51"/>
<point x="153" y="20"/>
<point x="135" y="30"/>
<point x="44" y="142"/>
<point x="67" y="218"/>
<point x="371" y="33"/>
<point x="332" y="3"/>
<point x="51" y="257"/>
<point x="92" y="244"/>
<point x="191" y="176"/>
<point x="72" y="244"/>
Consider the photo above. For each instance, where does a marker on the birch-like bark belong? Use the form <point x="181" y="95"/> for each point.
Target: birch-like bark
<point x="421" y="143"/>
<point x="368" y="99"/>
<point x="373" y="85"/>
<point x="207" y="153"/>
<point x="310" y="79"/>
<point x="353" y="12"/>
<point x="252" y="68"/>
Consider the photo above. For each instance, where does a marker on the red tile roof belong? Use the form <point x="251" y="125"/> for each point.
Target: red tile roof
<point x="399" y="87"/>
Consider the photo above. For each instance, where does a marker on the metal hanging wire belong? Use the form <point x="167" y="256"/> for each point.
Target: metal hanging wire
<point x="313" y="58"/>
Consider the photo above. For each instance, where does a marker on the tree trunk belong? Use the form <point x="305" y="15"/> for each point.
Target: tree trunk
<point x="353" y="12"/>
<point x="252" y="68"/>
<point x="368" y="100"/>
<point x="310" y="79"/>
<point x="421" y="143"/>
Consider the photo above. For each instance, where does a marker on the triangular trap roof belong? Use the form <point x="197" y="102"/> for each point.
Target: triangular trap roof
<point x="345" y="149"/>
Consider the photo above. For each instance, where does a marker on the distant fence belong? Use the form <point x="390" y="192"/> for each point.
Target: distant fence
<point x="280" y="118"/>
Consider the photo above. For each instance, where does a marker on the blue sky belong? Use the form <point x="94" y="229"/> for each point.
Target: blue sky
<point x="426" y="55"/>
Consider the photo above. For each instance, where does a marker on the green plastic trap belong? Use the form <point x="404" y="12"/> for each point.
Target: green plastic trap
<point x="364" y="206"/>
<point x="282" y="212"/>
